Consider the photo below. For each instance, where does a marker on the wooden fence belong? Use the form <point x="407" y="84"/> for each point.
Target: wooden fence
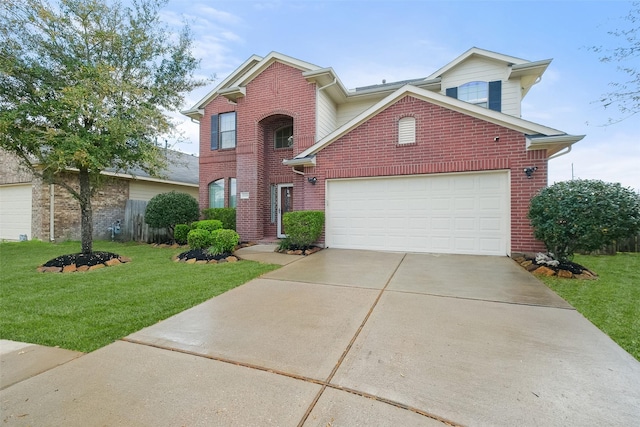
<point x="134" y="228"/>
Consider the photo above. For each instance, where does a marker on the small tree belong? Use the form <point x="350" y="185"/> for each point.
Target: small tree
<point x="168" y="209"/>
<point x="583" y="215"/>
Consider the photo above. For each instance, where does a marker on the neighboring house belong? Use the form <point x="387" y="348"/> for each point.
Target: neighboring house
<point x="440" y="164"/>
<point x="31" y="208"/>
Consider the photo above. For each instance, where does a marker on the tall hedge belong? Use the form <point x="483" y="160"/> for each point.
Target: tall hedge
<point x="226" y="215"/>
<point x="303" y="227"/>
<point x="583" y="215"/>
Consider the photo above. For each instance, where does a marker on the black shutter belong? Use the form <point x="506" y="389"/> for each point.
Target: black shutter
<point x="214" y="132"/>
<point x="452" y="92"/>
<point x="495" y="95"/>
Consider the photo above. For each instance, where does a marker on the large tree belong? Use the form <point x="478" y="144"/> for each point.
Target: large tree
<point x="87" y="85"/>
<point x="625" y="95"/>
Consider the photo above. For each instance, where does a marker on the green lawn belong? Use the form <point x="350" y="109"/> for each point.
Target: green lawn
<point x="612" y="302"/>
<point x="88" y="310"/>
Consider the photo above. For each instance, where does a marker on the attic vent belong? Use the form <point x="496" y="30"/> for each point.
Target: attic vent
<point x="406" y="130"/>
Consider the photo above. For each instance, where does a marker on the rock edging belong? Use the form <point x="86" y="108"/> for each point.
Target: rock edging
<point x="542" y="265"/>
<point x="72" y="268"/>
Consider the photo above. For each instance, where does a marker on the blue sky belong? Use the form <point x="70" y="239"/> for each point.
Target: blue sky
<point x="367" y="41"/>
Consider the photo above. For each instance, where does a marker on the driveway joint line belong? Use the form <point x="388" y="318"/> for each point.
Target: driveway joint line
<point x="396" y="404"/>
<point x="228" y="361"/>
<point x="481" y="299"/>
<point x="349" y="346"/>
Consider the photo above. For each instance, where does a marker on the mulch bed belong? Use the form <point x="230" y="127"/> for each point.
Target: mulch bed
<point x="564" y="269"/>
<point x="202" y="256"/>
<point x="82" y="262"/>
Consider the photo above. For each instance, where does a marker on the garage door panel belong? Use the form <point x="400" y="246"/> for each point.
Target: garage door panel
<point x="449" y="213"/>
<point x="15" y="211"/>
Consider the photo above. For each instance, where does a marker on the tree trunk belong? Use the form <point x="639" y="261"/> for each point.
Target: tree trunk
<point x="86" y="213"/>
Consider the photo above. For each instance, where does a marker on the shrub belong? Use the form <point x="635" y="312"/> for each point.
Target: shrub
<point x="226" y="215"/>
<point x="303" y="227"/>
<point x="583" y="215"/>
<point x="223" y="241"/>
<point x="180" y="233"/>
<point x="168" y="209"/>
<point x="199" y="238"/>
<point x="207" y="224"/>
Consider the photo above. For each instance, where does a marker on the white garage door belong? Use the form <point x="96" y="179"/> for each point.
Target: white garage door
<point x="465" y="213"/>
<point x="15" y="211"/>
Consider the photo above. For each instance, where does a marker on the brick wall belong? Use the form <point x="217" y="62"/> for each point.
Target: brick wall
<point x="11" y="171"/>
<point x="108" y="205"/>
<point x="278" y="95"/>
<point x="446" y="141"/>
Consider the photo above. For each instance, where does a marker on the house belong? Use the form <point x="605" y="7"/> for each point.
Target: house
<point x="35" y="210"/>
<point x="441" y="164"/>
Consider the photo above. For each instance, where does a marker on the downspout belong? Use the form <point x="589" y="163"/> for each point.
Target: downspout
<point x="293" y="168"/>
<point x="52" y="236"/>
<point x="561" y="153"/>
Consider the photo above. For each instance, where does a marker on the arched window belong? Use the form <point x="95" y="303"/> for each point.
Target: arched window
<point x="475" y="92"/>
<point x="407" y="130"/>
<point x="216" y="194"/>
<point x="284" y="137"/>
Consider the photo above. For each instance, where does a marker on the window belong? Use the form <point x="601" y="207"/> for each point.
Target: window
<point x="474" y="92"/>
<point x="223" y="130"/>
<point x="232" y="192"/>
<point x="484" y="94"/>
<point x="216" y="194"/>
<point x="284" y="137"/>
<point x="407" y="130"/>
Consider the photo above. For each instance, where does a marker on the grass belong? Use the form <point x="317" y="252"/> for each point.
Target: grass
<point x="88" y="310"/>
<point x="612" y="302"/>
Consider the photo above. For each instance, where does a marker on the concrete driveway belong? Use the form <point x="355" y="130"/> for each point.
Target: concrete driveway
<point x="352" y="338"/>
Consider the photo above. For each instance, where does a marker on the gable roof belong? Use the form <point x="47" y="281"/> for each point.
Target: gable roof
<point x="506" y="120"/>
<point x="233" y="86"/>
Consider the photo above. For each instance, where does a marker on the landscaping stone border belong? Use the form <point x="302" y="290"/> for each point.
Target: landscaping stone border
<point x="528" y="262"/>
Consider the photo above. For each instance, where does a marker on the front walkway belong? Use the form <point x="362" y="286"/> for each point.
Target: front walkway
<point x="353" y="338"/>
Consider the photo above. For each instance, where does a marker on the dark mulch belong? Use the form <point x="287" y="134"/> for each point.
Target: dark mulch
<point x="570" y="266"/>
<point x="202" y="255"/>
<point x="80" y="259"/>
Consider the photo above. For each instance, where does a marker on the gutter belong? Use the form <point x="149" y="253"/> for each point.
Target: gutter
<point x="303" y="161"/>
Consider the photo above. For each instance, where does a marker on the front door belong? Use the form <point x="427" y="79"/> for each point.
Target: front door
<point x="284" y="203"/>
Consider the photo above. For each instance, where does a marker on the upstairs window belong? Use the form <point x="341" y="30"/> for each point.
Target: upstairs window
<point x="476" y="93"/>
<point x="284" y="137"/>
<point x="223" y="131"/>
<point x="484" y="94"/>
<point x="406" y="130"/>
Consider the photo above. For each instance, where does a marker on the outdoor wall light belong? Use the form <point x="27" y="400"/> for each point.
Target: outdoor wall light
<point x="529" y="171"/>
<point x="312" y="180"/>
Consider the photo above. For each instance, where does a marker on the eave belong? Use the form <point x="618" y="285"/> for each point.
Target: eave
<point x="552" y="143"/>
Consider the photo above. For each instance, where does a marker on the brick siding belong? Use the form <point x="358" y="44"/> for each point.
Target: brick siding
<point x="446" y="142"/>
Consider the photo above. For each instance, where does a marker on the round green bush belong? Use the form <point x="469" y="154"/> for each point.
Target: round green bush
<point x="303" y="227"/>
<point x="223" y="241"/>
<point x="168" y="209"/>
<point x="199" y="238"/>
<point x="180" y="233"/>
<point x="208" y="224"/>
<point x="583" y="215"/>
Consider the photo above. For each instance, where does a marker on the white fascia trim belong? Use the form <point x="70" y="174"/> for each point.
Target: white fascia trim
<point x="147" y="178"/>
<point x="304" y="161"/>
<point x="480" y="52"/>
<point x="552" y="143"/>
<point x="508" y="121"/>
<point x="198" y="107"/>
<point x="531" y="68"/>
<point x="270" y="59"/>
